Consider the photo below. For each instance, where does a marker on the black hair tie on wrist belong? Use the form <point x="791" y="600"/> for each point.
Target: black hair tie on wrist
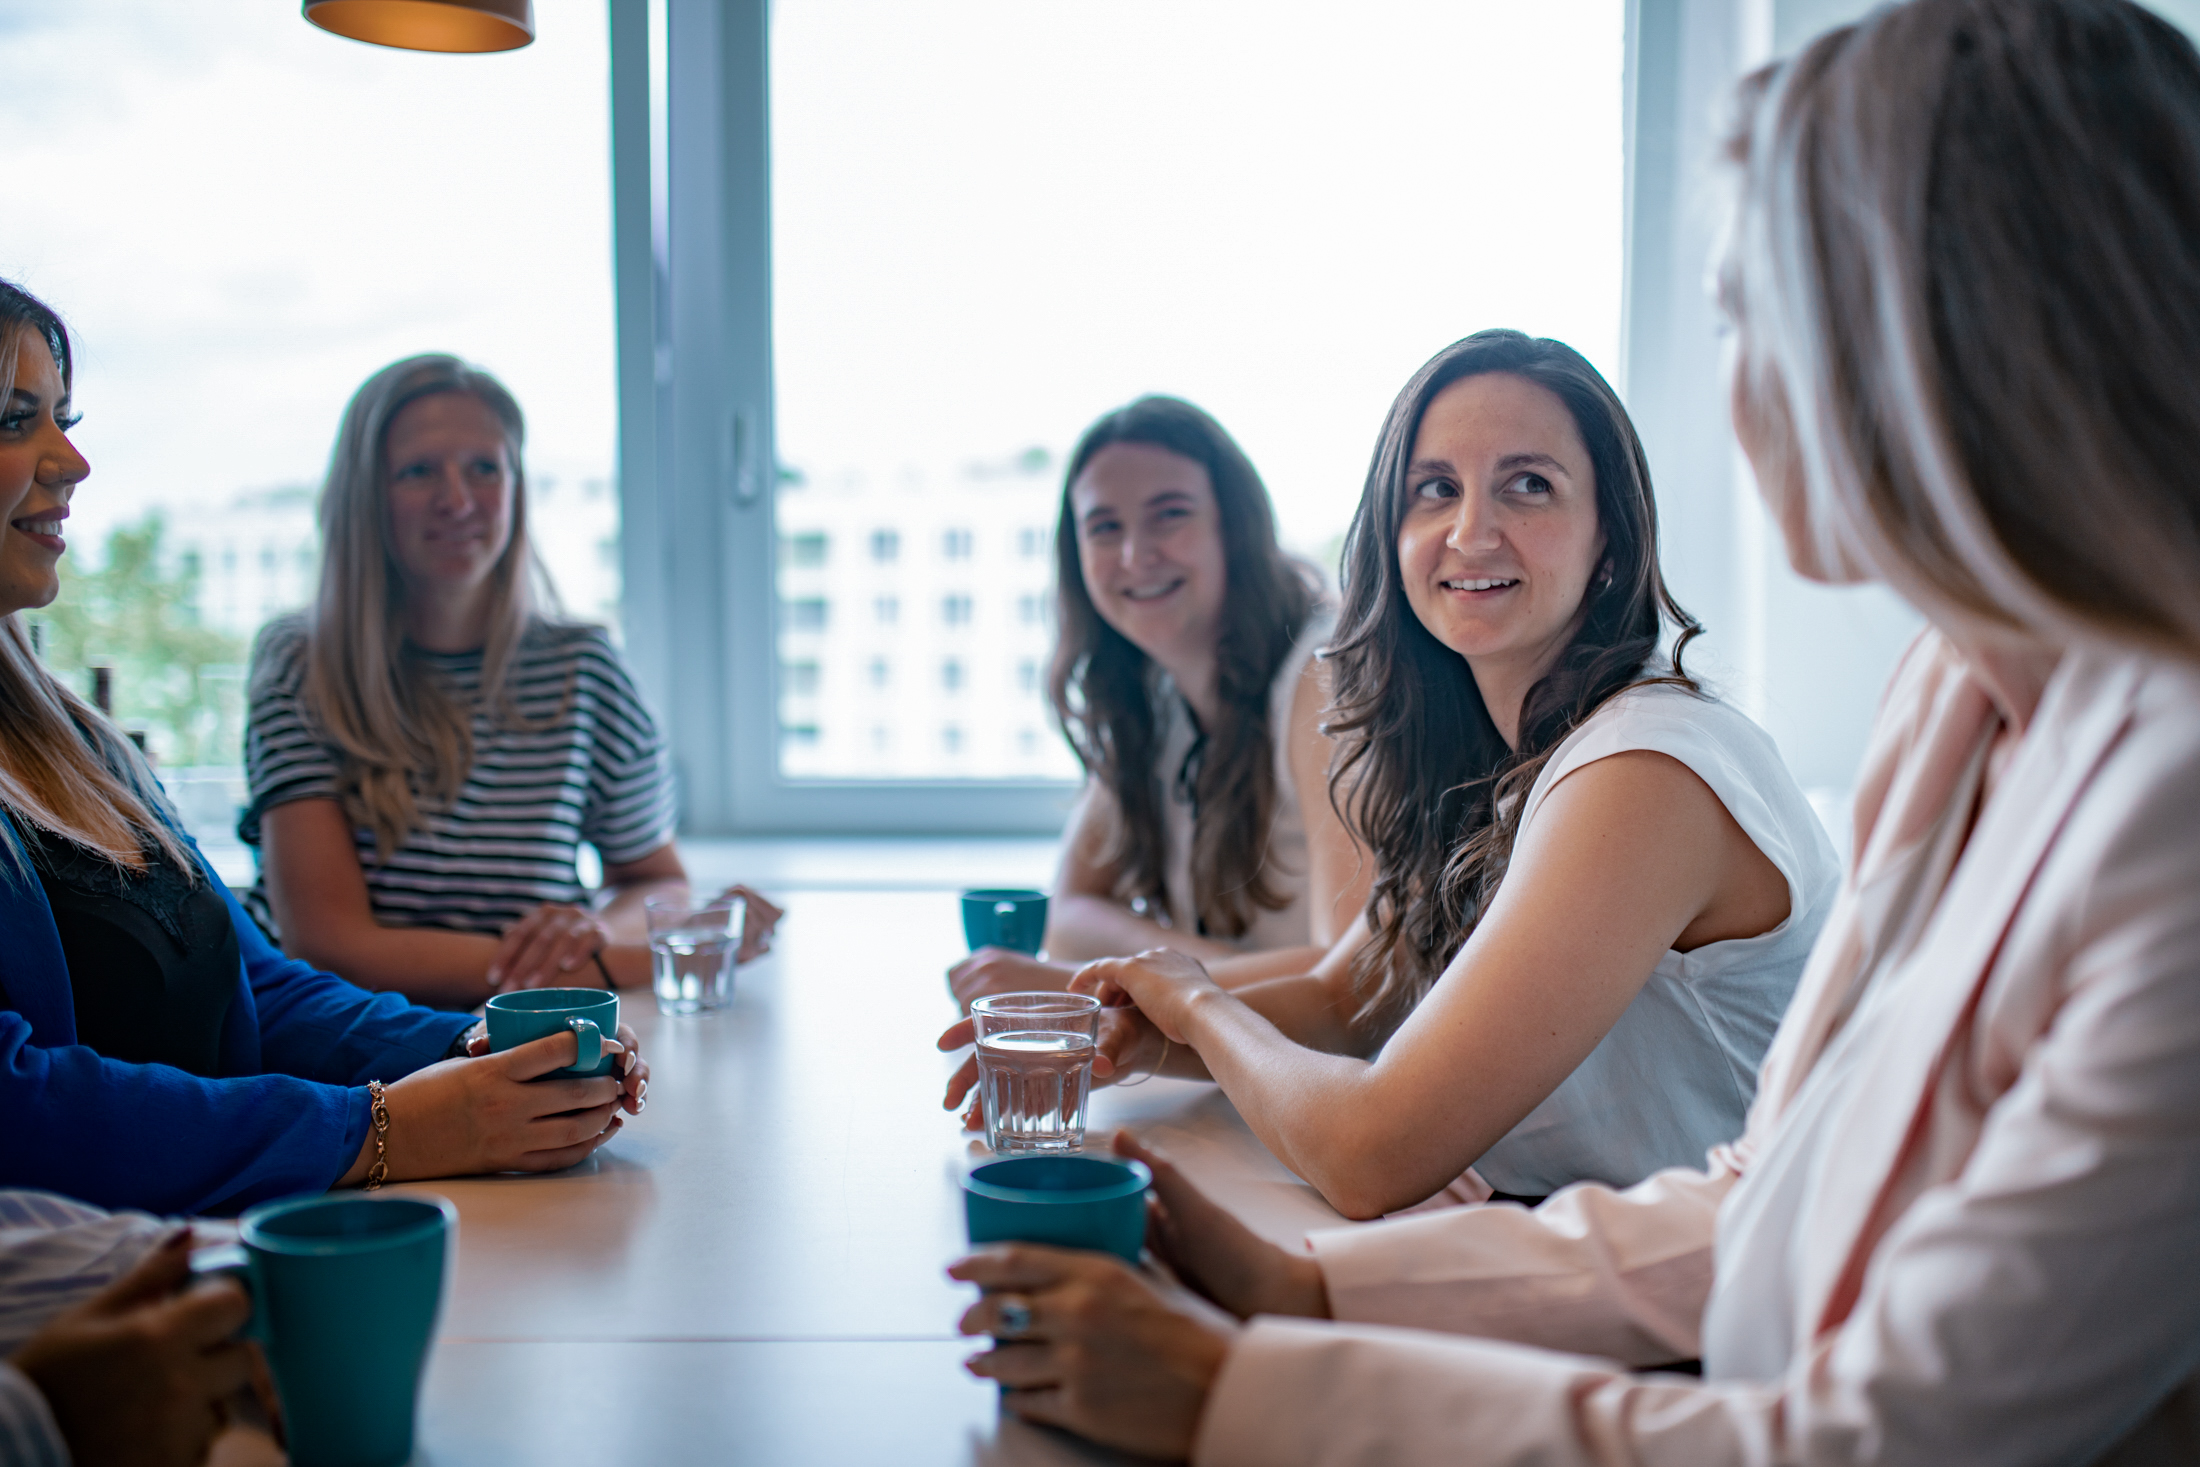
<point x="597" y="959"/>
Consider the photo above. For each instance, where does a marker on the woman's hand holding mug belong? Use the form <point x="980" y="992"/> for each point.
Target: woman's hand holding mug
<point x="466" y="1117"/>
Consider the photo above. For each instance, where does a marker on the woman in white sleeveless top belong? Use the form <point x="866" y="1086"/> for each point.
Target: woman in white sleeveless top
<point x="1595" y="884"/>
<point x="1184" y="677"/>
<point x="1682" y="1060"/>
<point x="1960" y="1225"/>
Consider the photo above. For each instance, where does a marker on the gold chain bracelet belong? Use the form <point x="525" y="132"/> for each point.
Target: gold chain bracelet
<point x="379" y="1109"/>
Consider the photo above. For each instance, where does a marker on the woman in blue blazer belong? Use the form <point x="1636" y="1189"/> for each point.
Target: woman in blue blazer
<point x="156" y="1051"/>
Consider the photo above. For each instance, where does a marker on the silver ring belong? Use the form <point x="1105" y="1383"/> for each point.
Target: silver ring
<point x="1015" y="1320"/>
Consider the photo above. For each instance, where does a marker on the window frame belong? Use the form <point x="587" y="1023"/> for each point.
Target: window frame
<point x="691" y="219"/>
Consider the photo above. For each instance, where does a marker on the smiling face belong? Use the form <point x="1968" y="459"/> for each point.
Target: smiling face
<point x="1149" y="540"/>
<point x="1499" y="540"/>
<point x="450" y="488"/>
<point x="39" y="472"/>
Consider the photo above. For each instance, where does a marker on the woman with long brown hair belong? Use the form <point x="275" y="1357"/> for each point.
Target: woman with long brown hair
<point x="155" y="1050"/>
<point x="429" y="746"/>
<point x="1184" y="677"/>
<point x="1595" y="883"/>
<point x="1965" y="282"/>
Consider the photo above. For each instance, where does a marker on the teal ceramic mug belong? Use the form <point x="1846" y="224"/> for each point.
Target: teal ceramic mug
<point x="1064" y="1201"/>
<point x="345" y="1292"/>
<point x="1010" y="917"/>
<point x="537" y="1013"/>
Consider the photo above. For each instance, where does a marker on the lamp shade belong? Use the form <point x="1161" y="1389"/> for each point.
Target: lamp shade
<point x="429" y="25"/>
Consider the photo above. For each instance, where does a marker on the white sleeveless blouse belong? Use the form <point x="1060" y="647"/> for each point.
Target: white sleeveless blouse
<point x="1287" y="865"/>
<point x="1675" y="1075"/>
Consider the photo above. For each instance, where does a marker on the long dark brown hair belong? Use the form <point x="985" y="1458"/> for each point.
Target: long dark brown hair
<point x="1102" y="685"/>
<point x="1423" y="779"/>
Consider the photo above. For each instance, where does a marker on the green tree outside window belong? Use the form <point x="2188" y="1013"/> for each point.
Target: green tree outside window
<point x="179" y="681"/>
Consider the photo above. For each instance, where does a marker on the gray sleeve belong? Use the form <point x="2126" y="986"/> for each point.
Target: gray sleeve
<point x="29" y="1436"/>
<point x="55" y="1253"/>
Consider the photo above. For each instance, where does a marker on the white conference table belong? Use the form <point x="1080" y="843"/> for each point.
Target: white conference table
<point x="753" y="1270"/>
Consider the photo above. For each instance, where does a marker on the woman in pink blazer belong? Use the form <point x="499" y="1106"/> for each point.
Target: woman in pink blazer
<point x="1963" y="1221"/>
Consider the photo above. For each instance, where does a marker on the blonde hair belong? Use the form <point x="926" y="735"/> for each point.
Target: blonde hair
<point x="399" y="738"/>
<point x="64" y="769"/>
<point x="1966" y="257"/>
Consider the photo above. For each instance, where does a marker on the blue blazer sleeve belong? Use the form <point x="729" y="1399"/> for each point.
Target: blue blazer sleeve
<point x="155" y="1137"/>
<point x="316" y="1026"/>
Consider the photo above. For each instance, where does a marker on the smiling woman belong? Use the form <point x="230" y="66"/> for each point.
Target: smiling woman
<point x="1184" y="677"/>
<point x="133" y="986"/>
<point x="52" y="777"/>
<point x="39" y="469"/>
<point x="429" y="746"/>
<point x="1594" y="883"/>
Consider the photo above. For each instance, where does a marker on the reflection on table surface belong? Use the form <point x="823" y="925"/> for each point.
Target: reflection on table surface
<point x="752" y="1271"/>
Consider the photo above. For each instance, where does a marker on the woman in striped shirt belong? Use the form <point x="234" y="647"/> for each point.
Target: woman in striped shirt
<point x="427" y="750"/>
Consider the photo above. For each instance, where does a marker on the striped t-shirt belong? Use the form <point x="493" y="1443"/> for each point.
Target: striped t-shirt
<point x="598" y="773"/>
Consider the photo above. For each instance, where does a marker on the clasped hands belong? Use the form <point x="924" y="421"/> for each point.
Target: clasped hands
<point x="1144" y="999"/>
<point x="1127" y="1356"/>
<point x="552" y="946"/>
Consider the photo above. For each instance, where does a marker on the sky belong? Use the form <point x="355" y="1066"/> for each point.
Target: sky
<point x="242" y="217"/>
<point x="996" y="219"/>
<point x="993" y="220"/>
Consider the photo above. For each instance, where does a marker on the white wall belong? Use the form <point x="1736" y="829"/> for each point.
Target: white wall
<point x="1807" y="661"/>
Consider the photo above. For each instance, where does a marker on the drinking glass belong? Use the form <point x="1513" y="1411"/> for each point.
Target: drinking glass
<point x="1035" y="1068"/>
<point x="692" y="946"/>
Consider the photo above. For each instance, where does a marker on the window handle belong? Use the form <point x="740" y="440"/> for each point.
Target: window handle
<point x="737" y="457"/>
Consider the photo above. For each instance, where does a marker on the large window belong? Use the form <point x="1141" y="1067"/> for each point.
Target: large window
<point x="992" y="220"/>
<point x="242" y="217"/>
<point x="879" y="264"/>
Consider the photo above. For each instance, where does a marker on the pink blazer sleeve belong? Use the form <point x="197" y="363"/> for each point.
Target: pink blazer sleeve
<point x="1618" y="1273"/>
<point x="2023" y="1302"/>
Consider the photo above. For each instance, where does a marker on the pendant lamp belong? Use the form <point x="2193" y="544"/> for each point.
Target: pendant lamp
<point x="429" y="25"/>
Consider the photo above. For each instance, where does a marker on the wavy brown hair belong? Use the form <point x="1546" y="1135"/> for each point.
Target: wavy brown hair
<point x="1422" y="778"/>
<point x="1102" y="685"/>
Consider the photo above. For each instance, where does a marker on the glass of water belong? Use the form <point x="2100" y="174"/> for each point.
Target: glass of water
<point x="692" y="945"/>
<point x="1035" y="1068"/>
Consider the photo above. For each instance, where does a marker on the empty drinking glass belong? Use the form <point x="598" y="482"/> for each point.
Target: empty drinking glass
<point x="1035" y="1068"/>
<point x="692" y="945"/>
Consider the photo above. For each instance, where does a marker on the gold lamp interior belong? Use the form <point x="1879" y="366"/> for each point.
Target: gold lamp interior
<point x="429" y="25"/>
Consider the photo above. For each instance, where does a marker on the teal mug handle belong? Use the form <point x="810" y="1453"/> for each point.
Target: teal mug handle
<point x="1004" y="909"/>
<point x="229" y="1260"/>
<point x="588" y="1039"/>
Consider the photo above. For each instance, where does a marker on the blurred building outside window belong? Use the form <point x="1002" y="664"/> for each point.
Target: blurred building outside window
<point x="1278" y="212"/>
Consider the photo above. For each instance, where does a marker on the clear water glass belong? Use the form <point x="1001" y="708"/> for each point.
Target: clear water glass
<point x="1035" y="1069"/>
<point x="692" y="947"/>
